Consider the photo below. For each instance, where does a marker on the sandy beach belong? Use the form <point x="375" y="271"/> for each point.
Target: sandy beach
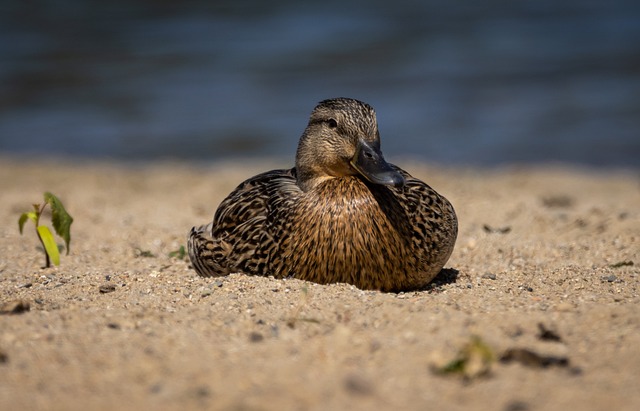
<point x="538" y="305"/>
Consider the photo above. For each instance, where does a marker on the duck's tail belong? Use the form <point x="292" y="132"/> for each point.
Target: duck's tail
<point x="202" y="252"/>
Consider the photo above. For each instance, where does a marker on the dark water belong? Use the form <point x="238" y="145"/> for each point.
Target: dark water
<point x="474" y="82"/>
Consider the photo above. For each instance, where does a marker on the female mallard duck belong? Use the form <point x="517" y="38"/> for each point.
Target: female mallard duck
<point x="342" y="214"/>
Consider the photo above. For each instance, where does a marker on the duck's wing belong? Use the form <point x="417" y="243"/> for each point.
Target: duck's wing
<point x="244" y="231"/>
<point x="432" y="220"/>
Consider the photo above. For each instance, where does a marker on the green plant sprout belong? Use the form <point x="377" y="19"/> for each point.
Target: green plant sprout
<point x="473" y="360"/>
<point x="180" y="253"/>
<point x="61" y="221"/>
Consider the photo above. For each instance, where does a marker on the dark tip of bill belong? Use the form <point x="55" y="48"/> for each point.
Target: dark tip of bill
<point x="390" y="178"/>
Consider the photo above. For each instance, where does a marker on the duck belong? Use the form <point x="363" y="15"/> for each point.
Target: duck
<point x="342" y="214"/>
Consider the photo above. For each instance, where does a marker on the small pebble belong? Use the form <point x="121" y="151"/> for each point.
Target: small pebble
<point x="107" y="288"/>
<point x="517" y="406"/>
<point x="575" y="371"/>
<point x="609" y="278"/>
<point x="500" y="230"/>
<point x="255" y="337"/>
<point x="489" y="276"/>
<point x="557" y="201"/>
<point x="357" y="384"/>
<point x="203" y="391"/>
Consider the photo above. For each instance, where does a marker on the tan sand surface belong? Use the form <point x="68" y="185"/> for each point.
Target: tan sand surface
<point x="545" y="274"/>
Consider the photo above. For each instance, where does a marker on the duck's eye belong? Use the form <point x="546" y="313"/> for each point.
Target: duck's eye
<point x="332" y="123"/>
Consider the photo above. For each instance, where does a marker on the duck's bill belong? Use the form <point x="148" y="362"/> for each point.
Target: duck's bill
<point x="370" y="163"/>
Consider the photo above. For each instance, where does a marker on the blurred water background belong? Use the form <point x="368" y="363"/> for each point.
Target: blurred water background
<point x="471" y="82"/>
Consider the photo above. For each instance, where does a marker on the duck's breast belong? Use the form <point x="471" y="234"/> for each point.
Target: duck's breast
<point x="342" y="231"/>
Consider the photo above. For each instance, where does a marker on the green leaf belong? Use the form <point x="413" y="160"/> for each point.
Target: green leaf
<point x="180" y="253"/>
<point x="24" y="217"/>
<point x="60" y="218"/>
<point x="473" y="360"/>
<point x="49" y="243"/>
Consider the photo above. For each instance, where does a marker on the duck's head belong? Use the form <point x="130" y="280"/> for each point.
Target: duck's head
<point x="340" y="140"/>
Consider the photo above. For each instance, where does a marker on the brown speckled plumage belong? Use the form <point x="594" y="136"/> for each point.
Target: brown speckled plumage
<point x="342" y="214"/>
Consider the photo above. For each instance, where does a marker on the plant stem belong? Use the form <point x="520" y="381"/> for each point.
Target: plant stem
<point x="46" y="254"/>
